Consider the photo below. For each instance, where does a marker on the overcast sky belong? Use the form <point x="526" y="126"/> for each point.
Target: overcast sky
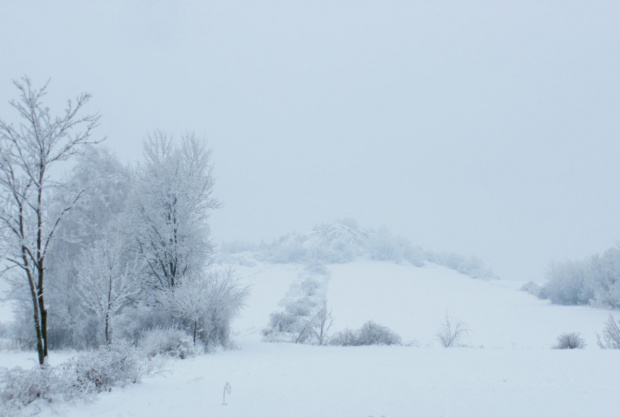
<point x="485" y="128"/>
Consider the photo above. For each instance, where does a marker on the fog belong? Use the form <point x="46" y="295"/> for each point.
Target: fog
<point x="485" y="129"/>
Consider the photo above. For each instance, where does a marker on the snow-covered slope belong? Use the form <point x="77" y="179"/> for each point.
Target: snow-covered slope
<point x="508" y="370"/>
<point x="413" y="301"/>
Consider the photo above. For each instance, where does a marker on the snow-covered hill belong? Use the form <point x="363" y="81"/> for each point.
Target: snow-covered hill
<point x="413" y="301"/>
<point x="508" y="368"/>
<point x="344" y="241"/>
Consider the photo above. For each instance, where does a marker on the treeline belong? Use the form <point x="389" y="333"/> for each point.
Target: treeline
<point x="594" y="281"/>
<point x="344" y="241"/>
<point x="107" y="252"/>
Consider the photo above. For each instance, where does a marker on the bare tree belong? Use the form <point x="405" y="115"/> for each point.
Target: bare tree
<point x="316" y="328"/>
<point x="28" y="153"/>
<point x="611" y="335"/>
<point x="323" y="322"/>
<point x="451" y="332"/>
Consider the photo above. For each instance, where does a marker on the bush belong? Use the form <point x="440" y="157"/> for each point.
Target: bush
<point x="534" y="289"/>
<point x="370" y="333"/>
<point x="169" y="342"/>
<point x="347" y="337"/>
<point x="20" y="387"/>
<point x="611" y="335"/>
<point x="89" y="373"/>
<point x="569" y="341"/>
<point x="451" y="332"/>
<point x="108" y="366"/>
<point x="568" y="284"/>
<point x="304" y="307"/>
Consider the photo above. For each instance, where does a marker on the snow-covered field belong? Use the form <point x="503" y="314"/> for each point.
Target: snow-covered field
<point x="509" y="368"/>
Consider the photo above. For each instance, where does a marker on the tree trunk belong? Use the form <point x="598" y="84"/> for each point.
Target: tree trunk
<point x="40" y="315"/>
<point x="44" y="343"/>
<point x="107" y="328"/>
<point x="38" y="327"/>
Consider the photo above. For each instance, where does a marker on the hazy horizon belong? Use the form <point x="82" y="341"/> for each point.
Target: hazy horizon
<point x="487" y="129"/>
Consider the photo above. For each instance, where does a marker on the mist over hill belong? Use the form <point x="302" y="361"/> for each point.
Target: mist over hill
<point x="345" y="241"/>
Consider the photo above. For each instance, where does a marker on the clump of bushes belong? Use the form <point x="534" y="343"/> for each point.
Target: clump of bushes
<point x="370" y="333"/>
<point x="89" y="373"/>
<point x="20" y="387"/>
<point x="104" y="368"/>
<point x="593" y="280"/>
<point x="170" y="342"/>
<point x="569" y="341"/>
<point x="306" y="317"/>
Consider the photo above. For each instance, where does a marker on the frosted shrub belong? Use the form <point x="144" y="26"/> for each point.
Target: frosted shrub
<point x="287" y="249"/>
<point x="303" y="312"/>
<point x="472" y="267"/>
<point x="88" y="373"/>
<point x="346" y="337"/>
<point x="383" y="246"/>
<point x="205" y="304"/>
<point x="534" y="289"/>
<point x="452" y="332"/>
<point x="108" y="366"/>
<point x="370" y="333"/>
<point x="567" y="284"/>
<point x="569" y="341"/>
<point x="20" y="387"/>
<point x="292" y="325"/>
<point x="611" y="335"/>
<point x="169" y="342"/>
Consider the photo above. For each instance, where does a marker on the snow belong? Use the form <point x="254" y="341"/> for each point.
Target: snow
<point x="508" y="370"/>
<point x="294" y="380"/>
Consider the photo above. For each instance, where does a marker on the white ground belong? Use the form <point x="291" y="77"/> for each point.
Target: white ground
<point x="509" y="370"/>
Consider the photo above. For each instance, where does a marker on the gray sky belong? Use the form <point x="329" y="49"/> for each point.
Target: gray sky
<point x="485" y="128"/>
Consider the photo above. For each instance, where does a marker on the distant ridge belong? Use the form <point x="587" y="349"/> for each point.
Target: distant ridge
<point x="344" y="241"/>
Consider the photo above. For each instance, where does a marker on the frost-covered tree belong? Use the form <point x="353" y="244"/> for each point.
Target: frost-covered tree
<point x="568" y="283"/>
<point x="603" y="277"/>
<point x="208" y="302"/>
<point x="29" y="153"/>
<point x="306" y="318"/>
<point x="101" y="212"/>
<point x="594" y="280"/>
<point x="173" y="202"/>
<point x="107" y="280"/>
